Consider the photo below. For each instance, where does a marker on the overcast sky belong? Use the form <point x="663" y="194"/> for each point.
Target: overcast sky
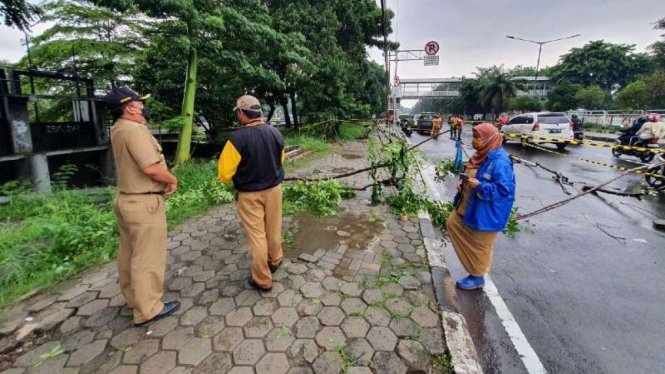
<point x="472" y="32"/>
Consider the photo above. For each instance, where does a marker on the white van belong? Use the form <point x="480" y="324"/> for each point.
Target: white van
<point x="549" y="124"/>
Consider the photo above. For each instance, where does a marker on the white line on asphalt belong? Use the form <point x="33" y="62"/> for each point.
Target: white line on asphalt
<point x="522" y="346"/>
<point x="527" y="354"/>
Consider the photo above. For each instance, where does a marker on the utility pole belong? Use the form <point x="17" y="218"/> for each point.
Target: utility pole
<point x="385" y="54"/>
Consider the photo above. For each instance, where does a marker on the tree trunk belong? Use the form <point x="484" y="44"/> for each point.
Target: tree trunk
<point x="187" y="113"/>
<point x="294" y="111"/>
<point x="285" y="105"/>
<point x="272" y="111"/>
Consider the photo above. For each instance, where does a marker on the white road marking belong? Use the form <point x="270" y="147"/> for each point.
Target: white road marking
<point x="522" y="346"/>
<point x="527" y="354"/>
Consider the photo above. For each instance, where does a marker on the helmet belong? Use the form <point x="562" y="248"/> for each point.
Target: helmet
<point x="653" y="117"/>
<point x="576" y="116"/>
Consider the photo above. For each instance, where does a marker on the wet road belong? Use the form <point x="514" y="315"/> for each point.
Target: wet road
<point x="584" y="282"/>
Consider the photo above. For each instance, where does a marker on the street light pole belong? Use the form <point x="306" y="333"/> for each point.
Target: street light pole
<point x="540" y="48"/>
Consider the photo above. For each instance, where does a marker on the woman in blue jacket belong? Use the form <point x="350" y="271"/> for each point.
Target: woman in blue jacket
<point x="482" y="205"/>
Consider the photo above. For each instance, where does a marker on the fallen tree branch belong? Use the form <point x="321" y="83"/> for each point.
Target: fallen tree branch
<point x="352" y="173"/>
<point x="637" y="195"/>
<point x="559" y="177"/>
<point x="574" y="197"/>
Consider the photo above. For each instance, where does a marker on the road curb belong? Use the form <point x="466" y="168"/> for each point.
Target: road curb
<point x="463" y="354"/>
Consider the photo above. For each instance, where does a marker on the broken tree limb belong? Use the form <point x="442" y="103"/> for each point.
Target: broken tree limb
<point x="574" y="197"/>
<point x="352" y="173"/>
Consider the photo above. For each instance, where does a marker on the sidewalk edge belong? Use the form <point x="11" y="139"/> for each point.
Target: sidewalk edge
<point x="458" y="340"/>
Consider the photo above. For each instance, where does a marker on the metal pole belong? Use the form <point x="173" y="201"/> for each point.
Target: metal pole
<point x="396" y="87"/>
<point x="540" y="50"/>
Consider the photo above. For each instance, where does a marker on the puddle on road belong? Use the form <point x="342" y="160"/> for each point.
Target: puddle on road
<point x="349" y="156"/>
<point x="312" y="233"/>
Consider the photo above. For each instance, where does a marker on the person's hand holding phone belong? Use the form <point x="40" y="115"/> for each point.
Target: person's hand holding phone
<point x="472" y="182"/>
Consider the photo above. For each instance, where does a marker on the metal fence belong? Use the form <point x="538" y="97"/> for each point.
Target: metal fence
<point x="612" y="117"/>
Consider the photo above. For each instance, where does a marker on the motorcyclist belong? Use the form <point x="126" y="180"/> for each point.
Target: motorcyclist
<point x="651" y="130"/>
<point x="638" y="124"/>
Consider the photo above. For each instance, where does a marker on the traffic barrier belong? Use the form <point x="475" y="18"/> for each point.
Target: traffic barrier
<point x="593" y="161"/>
<point x="582" y="142"/>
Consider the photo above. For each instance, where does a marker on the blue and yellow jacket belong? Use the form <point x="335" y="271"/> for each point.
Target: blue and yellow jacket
<point x="491" y="202"/>
<point x="253" y="158"/>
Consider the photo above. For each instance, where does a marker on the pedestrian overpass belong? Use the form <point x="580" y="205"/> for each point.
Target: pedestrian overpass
<point x="448" y="88"/>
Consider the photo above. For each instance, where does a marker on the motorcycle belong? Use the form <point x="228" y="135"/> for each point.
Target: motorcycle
<point x="644" y="156"/>
<point x="406" y="126"/>
<point x="657" y="169"/>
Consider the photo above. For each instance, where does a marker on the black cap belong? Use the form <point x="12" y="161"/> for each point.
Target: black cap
<point x="118" y="97"/>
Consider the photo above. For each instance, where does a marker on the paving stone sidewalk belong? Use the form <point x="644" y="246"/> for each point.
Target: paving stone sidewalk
<point x="362" y="302"/>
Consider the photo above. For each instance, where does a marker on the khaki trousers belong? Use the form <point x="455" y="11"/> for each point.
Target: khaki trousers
<point x="261" y="215"/>
<point x="142" y="254"/>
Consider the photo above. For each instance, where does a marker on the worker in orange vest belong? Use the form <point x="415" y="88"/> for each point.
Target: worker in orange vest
<point x="454" y="121"/>
<point x="436" y="126"/>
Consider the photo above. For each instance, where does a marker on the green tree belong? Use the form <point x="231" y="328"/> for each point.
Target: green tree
<point x="525" y="104"/>
<point x="88" y="40"/>
<point x="655" y="87"/>
<point x="658" y="48"/>
<point x="633" y="96"/>
<point x="196" y="29"/>
<point x="609" y="66"/>
<point x="563" y="96"/>
<point x="523" y="71"/>
<point x="591" y="97"/>
<point x="497" y="86"/>
<point x="19" y="13"/>
<point x="468" y="100"/>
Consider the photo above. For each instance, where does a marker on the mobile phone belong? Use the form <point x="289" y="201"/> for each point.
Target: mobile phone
<point x="464" y="176"/>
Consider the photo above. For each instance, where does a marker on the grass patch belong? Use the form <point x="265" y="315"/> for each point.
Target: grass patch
<point x="595" y="127"/>
<point x="307" y="142"/>
<point x="348" y="360"/>
<point x="45" y="239"/>
<point x="443" y="363"/>
<point x="349" y="131"/>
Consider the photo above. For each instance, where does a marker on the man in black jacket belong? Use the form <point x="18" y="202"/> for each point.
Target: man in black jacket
<point x="253" y="159"/>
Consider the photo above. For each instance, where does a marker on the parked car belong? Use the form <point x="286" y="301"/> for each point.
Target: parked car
<point x="423" y="122"/>
<point x="547" y="124"/>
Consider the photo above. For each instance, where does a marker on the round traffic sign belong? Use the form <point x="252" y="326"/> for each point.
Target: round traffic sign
<point x="396" y="80"/>
<point x="432" y="48"/>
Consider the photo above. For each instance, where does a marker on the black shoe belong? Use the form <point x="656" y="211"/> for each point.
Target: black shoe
<point x="253" y="283"/>
<point x="273" y="268"/>
<point x="168" y="309"/>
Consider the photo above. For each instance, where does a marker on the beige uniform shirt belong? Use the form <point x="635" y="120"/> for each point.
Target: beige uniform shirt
<point x="652" y="130"/>
<point x="134" y="149"/>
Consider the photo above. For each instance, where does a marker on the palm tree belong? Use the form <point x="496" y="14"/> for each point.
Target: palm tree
<point x="497" y="86"/>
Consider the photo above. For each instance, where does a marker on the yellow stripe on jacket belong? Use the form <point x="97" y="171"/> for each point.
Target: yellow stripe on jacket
<point x="228" y="162"/>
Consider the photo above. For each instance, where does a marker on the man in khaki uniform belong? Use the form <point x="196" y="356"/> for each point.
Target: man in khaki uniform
<point x="143" y="181"/>
<point x="253" y="159"/>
